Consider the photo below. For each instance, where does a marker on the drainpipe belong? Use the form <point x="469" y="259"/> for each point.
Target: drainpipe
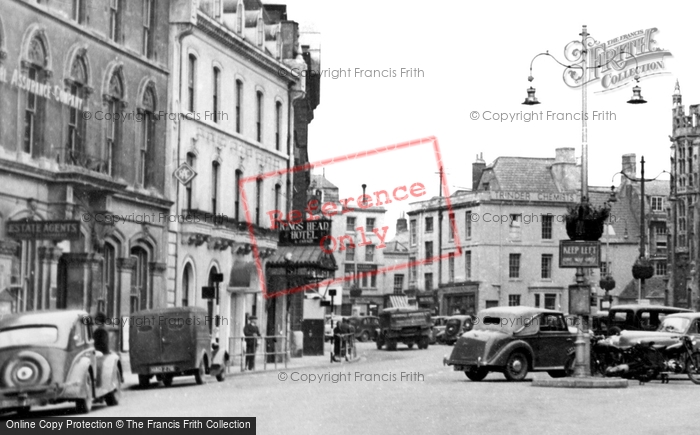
<point x="186" y="32"/>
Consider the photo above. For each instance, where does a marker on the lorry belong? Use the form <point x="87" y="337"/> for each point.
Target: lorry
<point x="408" y="325"/>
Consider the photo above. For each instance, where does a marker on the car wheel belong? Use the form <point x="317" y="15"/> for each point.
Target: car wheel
<point x="516" y="367"/>
<point x="423" y="343"/>
<point x="693" y="367"/>
<point x="23" y="411"/>
<point x="364" y="337"/>
<point x="221" y="375"/>
<point x="476" y="374"/>
<point x="380" y="343"/>
<point x="199" y="374"/>
<point x="391" y="345"/>
<point x="410" y="345"/>
<point x="114" y="396"/>
<point x="144" y="381"/>
<point x="167" y="380"/>
<point x="614" y="330"/>
<point x="84" y="405"/>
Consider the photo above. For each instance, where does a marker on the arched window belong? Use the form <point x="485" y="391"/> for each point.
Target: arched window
<point x="148" y="127"/>
<point x="76" y="124"/>
<point x="115" y="99"/>
<point x="141" y="297"/>
<point x="34" y="105"/>
<point x="239" y="107"/>
<point x="278" y="125"/>
<point x="188" y="286"/>
<point x="192" y="161"/>
<point x="259" y="115"/>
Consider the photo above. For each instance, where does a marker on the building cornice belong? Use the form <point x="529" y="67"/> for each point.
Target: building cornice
<point x="224" y="36"/>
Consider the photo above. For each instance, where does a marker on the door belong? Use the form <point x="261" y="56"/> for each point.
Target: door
<point x="178" y="342"/>
<point x="553" y="341"/>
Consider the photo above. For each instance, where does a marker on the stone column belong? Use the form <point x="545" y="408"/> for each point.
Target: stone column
<point x="157" y="287"/>
<point x="48" y="257"/>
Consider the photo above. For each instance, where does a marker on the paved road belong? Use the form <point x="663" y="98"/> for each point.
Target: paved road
<point x="370" y="396"/>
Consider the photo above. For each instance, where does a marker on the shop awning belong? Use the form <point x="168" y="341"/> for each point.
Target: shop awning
<point x="397" y="301"/>
<point x="302" y="256"/>
<point x="241" y="274"/>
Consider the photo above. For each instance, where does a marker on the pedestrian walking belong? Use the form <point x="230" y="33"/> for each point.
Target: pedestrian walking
<point x="251" y="342"/>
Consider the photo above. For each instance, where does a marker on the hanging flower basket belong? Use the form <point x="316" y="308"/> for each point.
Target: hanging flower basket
<point x="642" y="269"/>
<point x="585" y="222"/>
<point x="607" y="283"/>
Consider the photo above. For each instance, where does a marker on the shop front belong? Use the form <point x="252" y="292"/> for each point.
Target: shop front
<point x="458" y="299"/>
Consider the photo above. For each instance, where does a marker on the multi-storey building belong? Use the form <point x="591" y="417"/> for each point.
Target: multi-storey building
<point x="236" y="75"/>
<point x="685" y="192"/>
<point x="362" y="252"/>
<point x="503" y="248"/>
<point x="81" y="84"/>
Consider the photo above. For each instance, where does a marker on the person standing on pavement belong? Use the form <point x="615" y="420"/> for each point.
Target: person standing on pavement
<point x="251" y="342"/>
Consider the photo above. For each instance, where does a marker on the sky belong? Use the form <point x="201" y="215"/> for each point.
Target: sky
<point x="475" y="57"/>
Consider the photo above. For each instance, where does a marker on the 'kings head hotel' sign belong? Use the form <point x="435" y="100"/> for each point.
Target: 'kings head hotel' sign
<point x="44" y="230"/>
<point x="617" y="67"/>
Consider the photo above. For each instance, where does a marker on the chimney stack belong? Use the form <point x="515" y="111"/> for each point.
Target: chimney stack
<point x="629" y="165"/>
<point x="477" y="169"/>
<point x="401" y="224"/>
<point x="565" y="155"/>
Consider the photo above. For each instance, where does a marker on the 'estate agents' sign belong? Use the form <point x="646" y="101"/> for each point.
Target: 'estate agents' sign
<point x="44" y="230"/>
<point x="579" y="254"/>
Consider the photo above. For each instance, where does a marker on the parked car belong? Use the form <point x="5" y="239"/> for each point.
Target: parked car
<point x="407" y="325"/>
<point x="438" y="330"/>
<point x="638" y="317"/>
<point x="49" y="357"/>
<point x="514" y="341"/>
<point x="365" y="327"/>
<point x="456" y="326"/>
<point x="672" y="327"/>
<point x="170" y="342"/>
<point x="600" y="323"/>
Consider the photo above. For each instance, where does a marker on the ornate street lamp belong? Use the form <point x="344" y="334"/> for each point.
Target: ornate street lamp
<point x="585" y="221"/>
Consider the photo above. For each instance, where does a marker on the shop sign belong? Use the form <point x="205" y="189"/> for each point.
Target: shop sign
<point x="44" y="230"/>
<point x="304" y="233"/>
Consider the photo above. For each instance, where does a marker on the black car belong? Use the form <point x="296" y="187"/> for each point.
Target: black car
<point x="638" y="317"/>
<point x="365" y="327"/>
<point x="456" y="326"/>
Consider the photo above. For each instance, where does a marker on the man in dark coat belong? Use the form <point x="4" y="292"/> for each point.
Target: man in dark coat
<point x="251" y="342"/>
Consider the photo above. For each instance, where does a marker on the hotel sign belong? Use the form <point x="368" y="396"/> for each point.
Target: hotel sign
<point x="44" y="230"/>
<point x="579" y="254"/>
<point x="505" y="195"/>
<point x="305" y="232"/>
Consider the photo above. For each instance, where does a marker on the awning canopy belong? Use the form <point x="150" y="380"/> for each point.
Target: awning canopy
<point x="397" y="301"/>
<point x="302" y="256"/>
<point x="241" y="274"/>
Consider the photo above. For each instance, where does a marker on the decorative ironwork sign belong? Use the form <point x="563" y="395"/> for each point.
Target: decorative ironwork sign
<point x="44" y="230"/>
<point x="579" y="254"/>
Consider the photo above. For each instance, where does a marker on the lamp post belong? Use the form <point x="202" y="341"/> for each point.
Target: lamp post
<point x="582" y="367"/>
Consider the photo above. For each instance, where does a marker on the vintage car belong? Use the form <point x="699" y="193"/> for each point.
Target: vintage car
<point x="638" y="317"/>
<point x="438" y="331"/>
<point x="456" y="326"/>
<point x="170" y="342"/>
<point x="672" y="327"/>
<point x="49" y="357"/>
<point x="514" y="341"/>
<point x="365" y="327"/>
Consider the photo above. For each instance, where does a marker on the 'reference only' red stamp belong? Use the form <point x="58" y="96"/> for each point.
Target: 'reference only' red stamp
<point x="317" y="211"/>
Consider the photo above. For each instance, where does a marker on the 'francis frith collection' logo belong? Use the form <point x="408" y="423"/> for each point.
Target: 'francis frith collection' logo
<point x="617" y="67"/>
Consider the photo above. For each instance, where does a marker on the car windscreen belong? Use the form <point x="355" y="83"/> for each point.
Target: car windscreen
<point x="674" y="324"/>
<point x="28" y="335"/>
